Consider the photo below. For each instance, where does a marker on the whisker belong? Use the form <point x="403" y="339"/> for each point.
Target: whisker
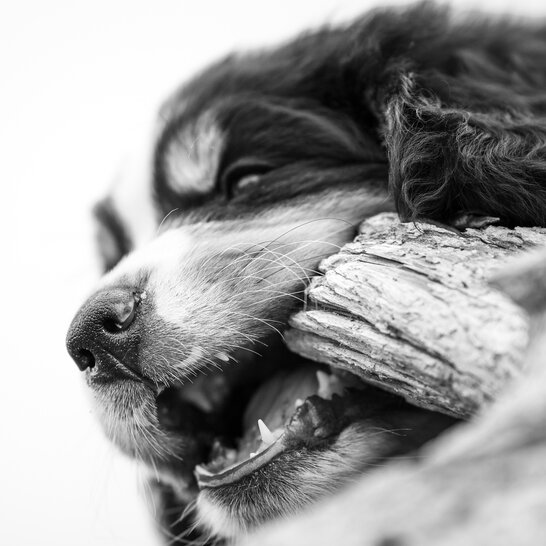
<point x="263" y="321"/>
<point x="158" y="230"/>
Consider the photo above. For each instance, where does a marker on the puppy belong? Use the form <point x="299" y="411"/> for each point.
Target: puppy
<point x="256" y="170"/>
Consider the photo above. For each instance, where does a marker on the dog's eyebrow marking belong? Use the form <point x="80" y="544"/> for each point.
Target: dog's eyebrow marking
<point x="115" y="243"/>
<point x="191" y="155"/>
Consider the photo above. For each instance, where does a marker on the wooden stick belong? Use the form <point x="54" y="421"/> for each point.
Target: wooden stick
<point x="407" y="307"/>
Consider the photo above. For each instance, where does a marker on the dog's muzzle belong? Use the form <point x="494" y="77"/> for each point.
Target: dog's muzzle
<point x="105" y="333"/>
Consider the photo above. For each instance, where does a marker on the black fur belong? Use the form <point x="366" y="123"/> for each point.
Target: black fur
<point x="454" y="106"/>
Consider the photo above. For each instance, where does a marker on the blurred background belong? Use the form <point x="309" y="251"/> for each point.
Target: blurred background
<point x="78" y="80"/>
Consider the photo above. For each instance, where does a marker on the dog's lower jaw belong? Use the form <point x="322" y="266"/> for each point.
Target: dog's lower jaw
<point x="298" y="478"/>
<point x="311" y="460"/>
<point x="287" y="484"/>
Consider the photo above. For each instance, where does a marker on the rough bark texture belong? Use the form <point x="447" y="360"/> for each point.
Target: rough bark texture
<point x="485" y="481"/>
<point x="406" y="306"/>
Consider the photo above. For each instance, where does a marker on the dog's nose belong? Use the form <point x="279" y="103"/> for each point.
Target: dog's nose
<point x="101" y="327"/>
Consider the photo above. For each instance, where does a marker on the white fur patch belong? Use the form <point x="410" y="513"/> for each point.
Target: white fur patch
<point x="165" y="254"/>
<point x="193" y="154"/>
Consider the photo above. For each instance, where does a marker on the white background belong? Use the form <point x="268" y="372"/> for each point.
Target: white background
<point x="76" y="81"/>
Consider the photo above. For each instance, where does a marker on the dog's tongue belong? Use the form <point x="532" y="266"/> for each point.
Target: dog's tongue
<point x="277" y="399"/>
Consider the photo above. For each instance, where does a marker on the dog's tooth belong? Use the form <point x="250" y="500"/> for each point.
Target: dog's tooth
<point x="222" y="356"/>
<point x="328" y="385"/>
<point x="298" y="402"/>
<point x="323" y="380"/>
<point x="253" y="455"/>
<point x="203" y="471"/>
<point x="267" y="436"/>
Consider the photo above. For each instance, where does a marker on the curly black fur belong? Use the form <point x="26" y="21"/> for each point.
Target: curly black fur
<point x="455" y="105"/>
<point x="465" y="125"/>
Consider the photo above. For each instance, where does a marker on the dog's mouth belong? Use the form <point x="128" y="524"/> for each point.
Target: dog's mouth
<point x="258" y="437"/>
<point x="247" y="414"/>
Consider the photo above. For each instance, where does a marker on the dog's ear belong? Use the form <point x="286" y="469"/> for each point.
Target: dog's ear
<point x="446" y="160"/>
<point x="473" y="141"/>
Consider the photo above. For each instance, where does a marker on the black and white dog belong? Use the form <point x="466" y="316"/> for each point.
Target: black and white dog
<point x="257" y="169"/>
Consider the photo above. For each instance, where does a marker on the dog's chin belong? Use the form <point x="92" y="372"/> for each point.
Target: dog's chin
<point x="127" y="411"/>
<point x="259" y="439"/>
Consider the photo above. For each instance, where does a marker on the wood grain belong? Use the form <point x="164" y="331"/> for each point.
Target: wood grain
<point x="407" y="307"/>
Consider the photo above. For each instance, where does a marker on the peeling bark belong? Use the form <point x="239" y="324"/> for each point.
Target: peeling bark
<point x="407" y="307"/>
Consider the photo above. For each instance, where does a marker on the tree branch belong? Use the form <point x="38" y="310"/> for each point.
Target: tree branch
<point x="407" y="307"/>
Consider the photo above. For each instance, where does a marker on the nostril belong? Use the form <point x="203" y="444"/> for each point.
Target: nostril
<point x="85" y="359"/>
<point x="105" y="328"/>
<point x="122" y="316"/>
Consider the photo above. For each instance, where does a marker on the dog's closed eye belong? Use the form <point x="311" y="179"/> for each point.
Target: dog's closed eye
<point x="241" y="174"/>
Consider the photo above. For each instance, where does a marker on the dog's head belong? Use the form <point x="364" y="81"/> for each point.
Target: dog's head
<point x="255" y="171"/>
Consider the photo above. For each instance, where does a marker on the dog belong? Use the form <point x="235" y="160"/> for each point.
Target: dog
<point x="255" y="170"/>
